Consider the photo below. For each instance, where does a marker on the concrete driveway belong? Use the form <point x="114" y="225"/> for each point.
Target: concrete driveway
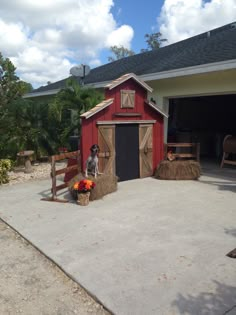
<point x="153" y="247"/>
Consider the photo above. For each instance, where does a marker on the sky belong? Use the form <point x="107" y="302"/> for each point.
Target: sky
<point x="46" y="38"/>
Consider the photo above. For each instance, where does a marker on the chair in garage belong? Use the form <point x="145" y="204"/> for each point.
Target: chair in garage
<point x="229" y="150"/>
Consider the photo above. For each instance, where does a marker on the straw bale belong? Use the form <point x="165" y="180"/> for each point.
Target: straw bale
<point x="178" y="170"/>
<point x="105" y="184"/>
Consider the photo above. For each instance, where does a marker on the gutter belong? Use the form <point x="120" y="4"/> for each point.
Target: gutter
<point x="43" y="93"/>
<point x="205" y="68"/>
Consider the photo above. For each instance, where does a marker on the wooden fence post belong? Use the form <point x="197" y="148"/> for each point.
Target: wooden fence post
<point x="55" y="172"/>
<point x="53" y="176"/>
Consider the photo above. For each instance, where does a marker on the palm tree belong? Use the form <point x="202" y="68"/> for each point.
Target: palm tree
<point x="28" y="129"/>
<point x="68" y="105"/>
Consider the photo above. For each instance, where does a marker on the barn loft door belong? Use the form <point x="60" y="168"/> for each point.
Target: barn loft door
<point x="106" y="142"/>
<point x="145" y="150"/>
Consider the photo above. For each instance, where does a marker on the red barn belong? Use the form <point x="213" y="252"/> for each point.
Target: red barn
<point x="128" y="129"/>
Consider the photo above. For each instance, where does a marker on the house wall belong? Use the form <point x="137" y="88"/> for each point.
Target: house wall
<point x="220" y="82"/>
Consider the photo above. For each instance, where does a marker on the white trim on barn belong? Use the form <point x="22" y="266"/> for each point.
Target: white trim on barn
<point x="157" y="108"/>
<point x="116" y="122"/>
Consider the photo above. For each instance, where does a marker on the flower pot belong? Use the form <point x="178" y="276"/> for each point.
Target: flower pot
<point x="83" y="198"/>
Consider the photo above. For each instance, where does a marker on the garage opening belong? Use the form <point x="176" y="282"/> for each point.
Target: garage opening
<point x="206" y="119"/>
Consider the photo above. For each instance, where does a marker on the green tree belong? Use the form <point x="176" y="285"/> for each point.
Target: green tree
<point x="9" y="92"/>
<point x="66" y="108"/>
<point x="11" y="87"/>
<point x="119" y="53"/>
<point x="153" y="41"/>
<point x="39" y="126"/>
<point x="25" y="87"/>
<point x="28" y="129"/>
<point x="22" y="122"/>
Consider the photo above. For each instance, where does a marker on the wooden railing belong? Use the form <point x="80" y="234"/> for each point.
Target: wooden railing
<point x="192" y="150"/>
<point x="55" y="172"/>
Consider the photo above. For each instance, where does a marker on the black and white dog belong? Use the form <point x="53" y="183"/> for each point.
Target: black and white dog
<point x="92" y="162"/>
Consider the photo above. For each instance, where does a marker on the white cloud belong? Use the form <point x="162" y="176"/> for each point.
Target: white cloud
<point x="46" y="38"/>
<point x="40" y="66"/>
<point x="120" y="37"/>
<point x="12" y="37"/>
<point x="95" y="63"/>
<point x="180" y="19"/>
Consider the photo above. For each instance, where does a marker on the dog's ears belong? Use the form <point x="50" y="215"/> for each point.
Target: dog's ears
<point x="94" y="147"/>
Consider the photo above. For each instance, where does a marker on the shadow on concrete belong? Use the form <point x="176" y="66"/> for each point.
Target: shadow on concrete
<point x="231" y="232"/>
<point x="63" y="194"/>
<point x="223" y="178"/>
<point x="222" y="302"/>
<point x="222" y="185"/>
<point x="214" y="170"/>
<point x="45" y="193"/>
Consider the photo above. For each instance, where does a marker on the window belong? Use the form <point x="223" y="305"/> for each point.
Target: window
<point x="127" y="98"/>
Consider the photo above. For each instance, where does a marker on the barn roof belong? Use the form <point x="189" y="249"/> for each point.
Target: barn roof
<point x="97" y="108"/>
<point x="109" y="101"/>
<point x="126" y="77"/>
<point x="156" y="108"/>
<point x="212" y="47"/>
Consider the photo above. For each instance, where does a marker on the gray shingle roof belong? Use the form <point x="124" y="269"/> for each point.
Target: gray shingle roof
<point x="213" y="46"/>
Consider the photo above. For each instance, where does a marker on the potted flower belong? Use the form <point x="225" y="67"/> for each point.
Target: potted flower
<point x="83" y="189"/>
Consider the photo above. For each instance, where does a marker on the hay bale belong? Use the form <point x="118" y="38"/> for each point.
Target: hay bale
<point x="105" y="184"/>
<point x="178" y="170"/>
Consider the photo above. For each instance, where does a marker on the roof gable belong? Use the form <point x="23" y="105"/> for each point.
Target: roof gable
<point x="117" y="99"/>
<point x="126" y="77"/>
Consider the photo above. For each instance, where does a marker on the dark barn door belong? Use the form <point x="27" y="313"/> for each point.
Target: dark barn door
<point x="127" y="151"/>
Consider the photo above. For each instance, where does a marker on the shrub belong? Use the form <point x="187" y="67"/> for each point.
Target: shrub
<point x="5" y="166"/>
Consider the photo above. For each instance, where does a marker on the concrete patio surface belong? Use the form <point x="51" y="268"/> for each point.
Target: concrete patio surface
<point x="153" y="247"/>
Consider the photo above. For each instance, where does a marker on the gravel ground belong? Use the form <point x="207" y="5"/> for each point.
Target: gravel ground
<point x="31" y="283"/>
<point x="40" y="171"/>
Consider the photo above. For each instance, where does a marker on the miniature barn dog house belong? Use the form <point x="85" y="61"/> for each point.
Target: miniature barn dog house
<point x="128" y="129"/>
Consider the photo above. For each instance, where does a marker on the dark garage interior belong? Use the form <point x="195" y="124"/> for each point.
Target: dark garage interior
<point x="205" y="119"/>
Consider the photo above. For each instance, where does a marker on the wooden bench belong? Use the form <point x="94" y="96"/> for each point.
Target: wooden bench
<point x="194" y="149"/>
